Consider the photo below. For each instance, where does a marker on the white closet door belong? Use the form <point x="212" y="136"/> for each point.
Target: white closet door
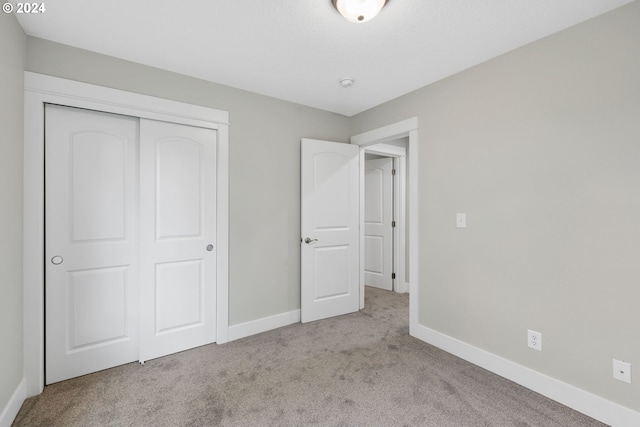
<point x="130" y="234"/>
<point x="91" y="288"/>
<point x="177" y="237"/>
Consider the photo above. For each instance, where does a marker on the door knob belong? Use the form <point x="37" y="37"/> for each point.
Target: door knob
<point x="209" y="247"/>
<point x="308" y="240"/>
<point x="57" y="260"/>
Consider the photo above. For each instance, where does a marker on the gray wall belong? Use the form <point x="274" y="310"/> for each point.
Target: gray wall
<point x="264" y="167"/>
<point x="541" y="148"/>
<point x="13" y="52"/>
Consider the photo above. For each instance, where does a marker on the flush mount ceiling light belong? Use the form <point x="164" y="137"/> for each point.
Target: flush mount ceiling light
<point x="358" y="10"/>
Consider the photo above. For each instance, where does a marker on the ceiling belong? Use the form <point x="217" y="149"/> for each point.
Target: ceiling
<point x="298" y="50"/>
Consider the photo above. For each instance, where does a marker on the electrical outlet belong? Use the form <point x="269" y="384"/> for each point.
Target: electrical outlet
<point x="534" y="340"/>
<point x="461" y="220"/>
<point x="622" y="371"/>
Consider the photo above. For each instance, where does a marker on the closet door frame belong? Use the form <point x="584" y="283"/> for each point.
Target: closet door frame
<point x="40" y="90"/>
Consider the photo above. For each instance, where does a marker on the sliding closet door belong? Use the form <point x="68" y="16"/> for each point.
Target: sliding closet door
<point x="91" y="290"/>
<point x="130" y="217"/>
<point x="177" y="237"/>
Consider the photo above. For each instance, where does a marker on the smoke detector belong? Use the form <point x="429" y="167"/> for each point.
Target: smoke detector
<point x="346" y="82"/>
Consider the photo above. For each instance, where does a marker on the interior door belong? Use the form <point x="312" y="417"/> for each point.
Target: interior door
<point x="330" y="229"/>
<point x="91" y="291"/>
<point x="177" y="237"/>
<point x="378" y="218"/>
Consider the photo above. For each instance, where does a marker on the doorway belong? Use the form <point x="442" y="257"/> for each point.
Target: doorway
<point x="398" y="140"/>
<point x="395" y="253"/>
<point x="343" y="191"/>
<point x="379" y="222"/>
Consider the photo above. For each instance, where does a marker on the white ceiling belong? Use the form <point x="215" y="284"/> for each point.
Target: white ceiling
<point x="298" y="50"/>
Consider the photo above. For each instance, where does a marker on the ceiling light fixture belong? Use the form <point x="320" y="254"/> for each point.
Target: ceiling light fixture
<point x="358" y="10"/>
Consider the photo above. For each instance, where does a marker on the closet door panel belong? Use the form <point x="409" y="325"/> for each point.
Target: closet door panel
<point x="91" y="290"/>
<point x="178" y="226"/>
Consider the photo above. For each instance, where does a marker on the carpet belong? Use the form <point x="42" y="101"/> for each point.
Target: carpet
<point x="360" y="369"/>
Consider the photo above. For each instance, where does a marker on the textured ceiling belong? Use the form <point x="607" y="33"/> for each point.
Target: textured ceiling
<point x="298" y="50"/>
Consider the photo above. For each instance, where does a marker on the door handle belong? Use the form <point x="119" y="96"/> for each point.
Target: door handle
<point x="308" y="240"/>
<point x="57" y="260"/>
<point x="209" y="247"/>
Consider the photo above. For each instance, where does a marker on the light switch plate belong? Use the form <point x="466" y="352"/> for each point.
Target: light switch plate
<point x="622" y="371"/>
<point x="461" y="220"/>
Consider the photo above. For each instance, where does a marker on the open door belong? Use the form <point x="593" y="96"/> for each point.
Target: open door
<point x="378" y="223"/>
<point x="330" y="251"/>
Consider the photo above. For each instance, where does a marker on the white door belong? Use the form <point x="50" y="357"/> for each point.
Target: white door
<point x="329" y="227"/>
<point x="378" y="218"/>
<point x="177" y="237"/>
<point x="91" y="290"/>
<point x="130" y="232"/>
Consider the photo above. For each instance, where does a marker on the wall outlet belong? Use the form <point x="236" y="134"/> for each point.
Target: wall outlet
<point x="622" y="371"/>
<point x="461" y="220"/>
<point x="534" y="340"/>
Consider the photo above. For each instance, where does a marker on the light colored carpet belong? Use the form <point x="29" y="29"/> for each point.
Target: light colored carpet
<point x="361" y="369"/>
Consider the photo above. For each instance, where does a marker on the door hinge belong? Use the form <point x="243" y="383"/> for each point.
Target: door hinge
<point x="393" y="224"/>
<point x="393" y="172"/>
<point x="393" y="275"/>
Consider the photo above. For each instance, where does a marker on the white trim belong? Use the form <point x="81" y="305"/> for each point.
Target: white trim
<point x="387" y="150"/>
<point x="386" y="133"/>
<point x="265" y="324"/>
<point x="222" y="237"/>
<point x="41" y="89"/>
<point x="400" y="256"/>
<point x="589" y="404"/>
<point x="117" y="101"/>
<point x="406" y="128"/>
<point x="13" y="406"/>
<point x="33" y="249"/>
<point x="414" y="228"/>
<point x="361" y="207"/>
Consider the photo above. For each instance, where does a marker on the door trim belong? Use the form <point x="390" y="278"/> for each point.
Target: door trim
<point x="405" y="128"/>
<point x="41" y="89"/>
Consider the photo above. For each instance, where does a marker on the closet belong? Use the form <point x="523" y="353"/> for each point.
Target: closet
<point x="130" y="233"/>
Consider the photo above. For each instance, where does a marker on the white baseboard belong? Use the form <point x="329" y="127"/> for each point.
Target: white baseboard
<point x="262" y="325"/>
<point x="13" y="406"/>
<point x="402" y="288"/>
<point x="589" y="404"/>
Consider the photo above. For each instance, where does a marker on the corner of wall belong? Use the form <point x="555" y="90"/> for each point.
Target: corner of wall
<point x="13" y="47"/>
